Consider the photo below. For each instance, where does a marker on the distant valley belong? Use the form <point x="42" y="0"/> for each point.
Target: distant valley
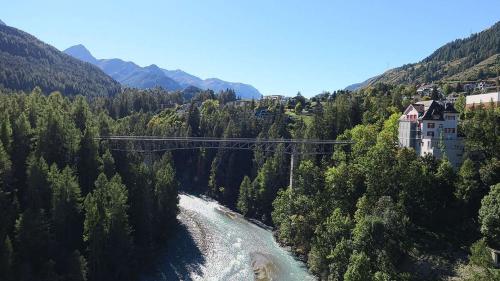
<point x="130" y="74"/>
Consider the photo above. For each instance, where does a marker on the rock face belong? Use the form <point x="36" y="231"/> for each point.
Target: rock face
<point x="133" y="75"/>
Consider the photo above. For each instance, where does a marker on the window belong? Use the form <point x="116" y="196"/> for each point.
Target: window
<point x="440" y="126"/>
<point x="450" y="117"/>
<point x="430" y="134"/>
<point x="449" y="130"/>
<point x="411" y="117"/>
<point x="430" y="125"/>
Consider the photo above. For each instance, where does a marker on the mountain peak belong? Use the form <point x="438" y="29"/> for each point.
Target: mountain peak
<point x="2" y="23"/>
<point x="153" y="67"/>
<point x="130" y="74"/>
<point x="80" y="52"/>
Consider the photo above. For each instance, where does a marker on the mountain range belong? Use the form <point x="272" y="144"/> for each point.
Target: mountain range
<point x="26" y="63"/>
<point x="133" y="75"/>
<point x="476" y="57"/>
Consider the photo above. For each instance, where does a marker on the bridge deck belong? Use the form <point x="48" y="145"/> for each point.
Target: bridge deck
<point x="163" y="143"/>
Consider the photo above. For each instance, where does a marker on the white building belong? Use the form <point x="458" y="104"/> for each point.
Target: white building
<point x="274" y="97"/>
<point x="430" y="127"/>
<point x="482" y="99"/>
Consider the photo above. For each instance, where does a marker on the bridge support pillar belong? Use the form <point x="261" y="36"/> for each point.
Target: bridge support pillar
<point x="293" y="159"/>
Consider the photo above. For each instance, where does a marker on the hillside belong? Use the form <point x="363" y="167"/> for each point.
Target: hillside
<point x="26" y="62"/>
<point x="133" y="75"/>
<point x="472" y="58"/>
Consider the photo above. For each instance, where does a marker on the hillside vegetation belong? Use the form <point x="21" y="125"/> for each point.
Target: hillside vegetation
<point x="26" y="62"/>
<point x="472" y="58"/>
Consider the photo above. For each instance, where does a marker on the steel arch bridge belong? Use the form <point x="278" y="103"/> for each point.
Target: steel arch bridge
<point x="293" y="147"/>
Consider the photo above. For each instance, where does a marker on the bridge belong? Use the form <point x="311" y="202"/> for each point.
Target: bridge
<point x="293" y="147"/>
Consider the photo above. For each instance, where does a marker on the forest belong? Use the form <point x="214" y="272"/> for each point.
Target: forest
<point x="77" y="210"/>
<point x="26" y="63"/>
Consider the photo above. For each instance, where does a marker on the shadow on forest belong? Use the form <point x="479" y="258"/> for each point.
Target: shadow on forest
<point x="182" y="259"/>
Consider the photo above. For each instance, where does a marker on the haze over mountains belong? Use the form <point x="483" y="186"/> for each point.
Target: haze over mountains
<point x="472" y="58"/>
<point x="133" y="75"/>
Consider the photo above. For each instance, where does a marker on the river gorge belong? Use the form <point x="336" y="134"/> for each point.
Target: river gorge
<point x="215" y="243"/>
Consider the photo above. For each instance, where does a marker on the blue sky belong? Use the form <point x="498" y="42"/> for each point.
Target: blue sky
<point x="280" y="47"/>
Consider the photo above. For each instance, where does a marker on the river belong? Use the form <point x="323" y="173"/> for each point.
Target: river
<point x="214" y="243"/>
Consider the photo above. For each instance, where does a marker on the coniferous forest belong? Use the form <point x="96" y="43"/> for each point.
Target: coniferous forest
<point x="75" y="209"/>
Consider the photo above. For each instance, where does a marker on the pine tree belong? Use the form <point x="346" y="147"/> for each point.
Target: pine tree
<point x="108" y="164"/>
<point x="66" y="214"/>
<point x="32" y="240"/>
<point x="6" y="132"/>
<point x="38" y="193"/>
<point x="244" y="204"/>
<point x="165" y="196"/>
<point x="107" y="230"/>
<point x="5" y="168"/>
<point x="88" y="160"/>
<point x="21" y="147"/>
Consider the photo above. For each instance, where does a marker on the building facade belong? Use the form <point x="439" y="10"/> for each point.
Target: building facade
<point x="430" y="127"/>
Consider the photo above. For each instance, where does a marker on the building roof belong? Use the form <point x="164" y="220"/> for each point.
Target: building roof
<point x="432" y="110"/>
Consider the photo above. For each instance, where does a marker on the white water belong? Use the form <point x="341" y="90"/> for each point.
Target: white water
<point x="214" y="243"/>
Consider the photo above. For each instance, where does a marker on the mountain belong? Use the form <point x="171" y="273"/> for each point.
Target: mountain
<point x="133" y="75"/>
<point x="242" y="90"/>
<point x="2" y="23"/>
<point x="150" y="77"/>
<point x="361" y="85"/>
<point x="183" y="78"/>
<point x="26" y="62"/>
<point x="472" y="58"/>
<point x="127" y="73"/>
<point x="80" y="52"/>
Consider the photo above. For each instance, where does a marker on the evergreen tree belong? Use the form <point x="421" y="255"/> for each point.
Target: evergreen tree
<point x="468" y="182"/>
<point x="107" y="230"/>
<point x="21" y="147"/>
<point x="88" y="160"/>
<point x="38" y="193"/>
<point x="6" y="132"/>
<point x="108" y="164"/>
<point x="165" y="196"/>
<point x="32" y="245"/>
<point x="58" y="139"/>
<point x="67" y="217"/>
<point x="244" y="204"/>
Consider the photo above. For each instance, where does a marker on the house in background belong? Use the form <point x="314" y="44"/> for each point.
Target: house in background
<point x="430" y="127"/>
<point x="274" y="97"/>
<point x="452" y="98"/>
